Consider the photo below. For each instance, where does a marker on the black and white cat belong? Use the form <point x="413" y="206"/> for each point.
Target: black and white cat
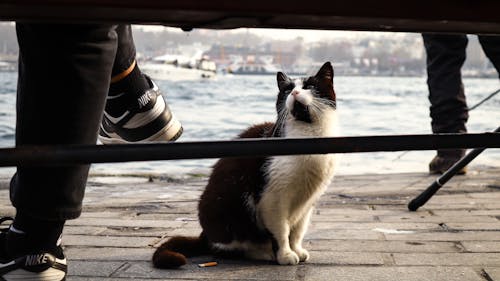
<point x="259" y="208"/>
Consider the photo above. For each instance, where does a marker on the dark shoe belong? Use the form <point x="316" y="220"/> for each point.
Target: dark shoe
<point x="146" y="119"/>
<point x="41" y="265"/>
<point x="445" y="159"/>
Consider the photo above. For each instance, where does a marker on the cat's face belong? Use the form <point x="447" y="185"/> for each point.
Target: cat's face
<point x="303" y="98"/>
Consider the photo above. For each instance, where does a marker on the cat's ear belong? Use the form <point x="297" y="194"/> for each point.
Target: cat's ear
<point x="282" y="80"/>
<point x="326" y="72"/>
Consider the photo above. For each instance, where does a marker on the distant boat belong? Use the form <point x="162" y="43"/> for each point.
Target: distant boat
<point x="252" y="65"/>
<point x="178" y="68"/>
<point x="253" y="68"/>
<point x="7" y="66"/>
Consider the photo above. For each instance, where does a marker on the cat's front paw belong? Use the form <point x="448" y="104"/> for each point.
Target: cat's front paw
<point x="288" y="258"/>
<point x="302" y="253"/>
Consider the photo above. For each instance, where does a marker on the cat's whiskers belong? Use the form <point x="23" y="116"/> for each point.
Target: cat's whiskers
<point x="325" y="101"/>
<point x="315" y="107"/>
<point x="280" y="123"/>
<point x="318" y="106"/>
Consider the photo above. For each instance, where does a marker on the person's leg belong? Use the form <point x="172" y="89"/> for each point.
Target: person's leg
<point x="126" y="75"/>
<point x="491" y="47"/>
<point x="135" y="109"/>
<point x="64" y="74"/>
<point x="448" y="110"/>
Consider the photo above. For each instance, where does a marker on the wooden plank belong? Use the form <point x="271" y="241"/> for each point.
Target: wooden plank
<point x="479" y="16"/>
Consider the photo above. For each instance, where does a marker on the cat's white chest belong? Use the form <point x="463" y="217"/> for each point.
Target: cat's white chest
<point x="295" y="182"/>
<point x="294" y="185"/>
<point x="301" y="176"/>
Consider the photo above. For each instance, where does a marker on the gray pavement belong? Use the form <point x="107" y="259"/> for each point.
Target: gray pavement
<point x="361" y="230"/>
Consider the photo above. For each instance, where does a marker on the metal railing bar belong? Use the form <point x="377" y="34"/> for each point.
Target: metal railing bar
<point x="479" y="16"/>
<point x="81" y="154"/>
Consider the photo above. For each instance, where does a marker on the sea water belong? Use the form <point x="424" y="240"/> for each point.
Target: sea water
<point x="218" y="109"/>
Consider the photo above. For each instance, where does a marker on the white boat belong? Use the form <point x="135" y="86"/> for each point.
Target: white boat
<point x="172" y="72"/>
<point x="253" y="66"/>
<point x="7" y="66"/>
<point x="253" y="69"/>
<point x="179" y="68"/>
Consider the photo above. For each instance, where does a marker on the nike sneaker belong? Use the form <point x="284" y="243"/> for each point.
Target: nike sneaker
<point x="144" y="119"/>
<point x="37" y="266"/>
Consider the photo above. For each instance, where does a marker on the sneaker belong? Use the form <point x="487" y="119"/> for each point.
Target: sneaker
<point x="43" y="266"/>
<point x="445" y="159"/>
<point x="146" y="119"/>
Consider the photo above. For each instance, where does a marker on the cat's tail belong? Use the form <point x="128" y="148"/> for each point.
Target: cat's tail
<point x="173" y="253"/>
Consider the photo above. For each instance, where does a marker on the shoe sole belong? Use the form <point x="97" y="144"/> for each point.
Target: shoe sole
<point x="35" y="267"/>
<point x="460" y="172"/>
<point x="169" y="133"/>
<point x="50" y="274"/>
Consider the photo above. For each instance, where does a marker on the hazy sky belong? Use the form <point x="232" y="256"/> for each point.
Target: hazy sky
<point x="317" y="35"/>
<point x="286" y="34"/>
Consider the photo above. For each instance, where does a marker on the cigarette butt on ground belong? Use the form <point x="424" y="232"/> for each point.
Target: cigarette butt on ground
<point x="208" y="264"/>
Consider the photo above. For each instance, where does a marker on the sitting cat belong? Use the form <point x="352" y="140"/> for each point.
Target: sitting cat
<point x="260" y="207"/>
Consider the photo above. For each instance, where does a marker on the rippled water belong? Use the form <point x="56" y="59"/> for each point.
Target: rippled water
<point x="221" y="108"/>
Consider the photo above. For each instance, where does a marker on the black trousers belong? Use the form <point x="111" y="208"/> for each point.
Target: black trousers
<point x="64" y="77"/>
<point x="445" y="57"/>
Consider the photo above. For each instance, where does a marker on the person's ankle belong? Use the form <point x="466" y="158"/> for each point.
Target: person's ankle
<point x="29" y="235"/>
<point x="131" y="82"/>
<point x="451" y="153"/>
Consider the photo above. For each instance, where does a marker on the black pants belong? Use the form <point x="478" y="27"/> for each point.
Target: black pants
<point x="64" y="76"/>
<point x="445" y="57"/>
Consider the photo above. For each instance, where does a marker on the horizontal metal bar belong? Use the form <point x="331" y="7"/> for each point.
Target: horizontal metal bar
<point x="72" y="154"/>
<point x="479" y="16"/>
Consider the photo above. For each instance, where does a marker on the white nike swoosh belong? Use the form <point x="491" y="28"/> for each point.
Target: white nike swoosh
<point x="115" y="96"/>
<point x="7" y="264"/>
<point x="116" y="119"/>
<point x="13" y="229"/>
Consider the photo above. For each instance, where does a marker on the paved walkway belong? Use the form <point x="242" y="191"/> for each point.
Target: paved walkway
<point x="361" y="230"/>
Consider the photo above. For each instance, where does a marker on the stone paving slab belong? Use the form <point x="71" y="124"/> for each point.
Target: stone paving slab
<point x="94" y="269"/>
<point x="392" y="273"/>
<point x="493" y="273"/>
<point x="108" y="241"/>
<point x="447" y="236"/>
<point x="360" y="230"/>
<point x="482" y="246"/>
<point x="228" y="271"/>
<point x="135" y="279"/>
<point x="422" y="217"/>
<point x="383" y="246"/>
<point x="453" y="259"/>
<point x="116" y="254"/>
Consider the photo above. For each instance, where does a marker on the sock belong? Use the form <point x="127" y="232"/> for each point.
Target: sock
<point x="130" y="87"/>
<point x="132" y="83"/>
<point x="28" y="235"/>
